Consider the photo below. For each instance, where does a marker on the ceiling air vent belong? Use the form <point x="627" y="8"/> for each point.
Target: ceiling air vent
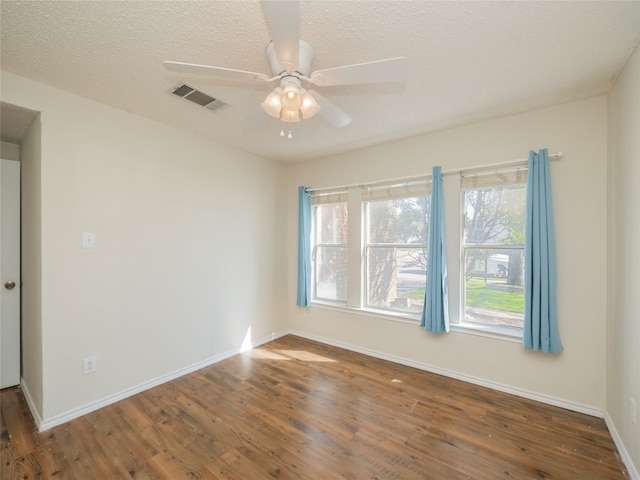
<point x="198" y="97"/>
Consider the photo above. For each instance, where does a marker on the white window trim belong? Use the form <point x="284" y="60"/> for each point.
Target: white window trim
<point x="368" y="312"/>
<point x="355" y="251"/>
<point x="499" y="332"/>
<point x="509" y="334"/>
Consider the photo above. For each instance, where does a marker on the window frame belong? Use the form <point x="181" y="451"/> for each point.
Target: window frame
<point x="488" y="329"/>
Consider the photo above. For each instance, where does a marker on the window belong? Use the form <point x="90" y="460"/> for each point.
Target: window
<point x="494" y="212"/>
<point x="384" y="267"/>
<point x="370" y="246"/>
<point x="329" y="247"/>
<point x="395" y="247"/>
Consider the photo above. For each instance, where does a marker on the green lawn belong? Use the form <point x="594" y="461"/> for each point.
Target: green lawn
<point x="414" y="295"/>
<point x="478" y="295"/>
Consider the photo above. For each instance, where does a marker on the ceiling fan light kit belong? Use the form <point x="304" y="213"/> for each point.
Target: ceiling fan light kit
<point x="290" y="59"/>
<point x="290" y="101"/>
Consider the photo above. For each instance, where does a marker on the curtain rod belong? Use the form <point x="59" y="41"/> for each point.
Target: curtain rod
<point x="553" y="156"/>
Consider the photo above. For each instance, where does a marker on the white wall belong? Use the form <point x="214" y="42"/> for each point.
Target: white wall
<point x="189" y="247"/>
<point x="578" y="129"/>
<point x="31" y="265"/>
<point x="9" y="151"/>
<point x="623" y="364"/>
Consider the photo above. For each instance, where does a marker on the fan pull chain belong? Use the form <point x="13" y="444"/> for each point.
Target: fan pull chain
<point x="289" y="135"/>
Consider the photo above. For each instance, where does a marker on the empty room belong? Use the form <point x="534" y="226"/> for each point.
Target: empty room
<point x="320" y="239"/>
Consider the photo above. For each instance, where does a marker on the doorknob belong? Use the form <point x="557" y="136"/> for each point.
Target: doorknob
<point x="10" y="285"/>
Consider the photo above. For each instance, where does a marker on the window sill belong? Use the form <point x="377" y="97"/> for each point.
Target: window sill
<point x="369" y="312"/>
<point x="509" y="334"/>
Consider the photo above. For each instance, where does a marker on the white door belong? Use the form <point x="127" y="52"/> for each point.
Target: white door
<point x="10" y="273"/>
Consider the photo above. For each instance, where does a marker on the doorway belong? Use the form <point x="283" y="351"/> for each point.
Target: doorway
<point x="10" y="284"/>
<point x="20" y="132"/>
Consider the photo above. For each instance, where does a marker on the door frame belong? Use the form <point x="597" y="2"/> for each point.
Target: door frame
<point x="10" y="260"/>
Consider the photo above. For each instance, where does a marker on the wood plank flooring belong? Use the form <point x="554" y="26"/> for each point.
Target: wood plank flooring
<point x="297" y="409"/>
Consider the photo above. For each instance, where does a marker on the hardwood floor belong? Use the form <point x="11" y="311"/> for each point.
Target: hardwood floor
<point x="297" y="409"/>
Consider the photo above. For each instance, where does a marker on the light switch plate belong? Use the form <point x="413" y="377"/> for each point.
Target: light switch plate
<point x="88" y="240"/>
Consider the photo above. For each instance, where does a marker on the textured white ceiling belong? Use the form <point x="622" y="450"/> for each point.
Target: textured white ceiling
<point x="467" y="61"/>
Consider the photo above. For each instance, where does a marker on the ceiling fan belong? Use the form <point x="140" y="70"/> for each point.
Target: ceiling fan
<point x="290" y="59"/>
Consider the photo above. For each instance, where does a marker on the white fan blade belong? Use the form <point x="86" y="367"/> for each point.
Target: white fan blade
<point x="228" y="73"/>
<point x="331" y="112"/>
<point x="283" y="18"/>
<point x="380" y="71"/>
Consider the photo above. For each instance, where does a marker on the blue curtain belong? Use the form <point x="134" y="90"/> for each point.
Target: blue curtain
<point x="435" y="314"/>
<point x="304" y="247"/>
<point x="541" y="308"/>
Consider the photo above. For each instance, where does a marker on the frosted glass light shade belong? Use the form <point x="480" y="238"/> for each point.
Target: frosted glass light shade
<point x="309" y="105"/>
<point x="291" y="99"/>
<point x="290" y="116"/>
<point x="273" y="103"/>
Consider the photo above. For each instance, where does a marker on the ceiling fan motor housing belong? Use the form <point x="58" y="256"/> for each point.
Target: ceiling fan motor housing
<point x="305" y="58"/>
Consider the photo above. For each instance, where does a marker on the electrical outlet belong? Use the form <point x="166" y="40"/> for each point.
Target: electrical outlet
<point x="632" y="410"/>
<point x="90" y="365"/>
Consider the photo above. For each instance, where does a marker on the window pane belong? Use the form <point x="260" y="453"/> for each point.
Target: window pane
<point x="330" y="269"/>
<point x="329" y="262"/>
<point x="495" y="216"/>
<point x="331" y="223"/>
<point x="401" y="220"/>
<point x="396" y="274"/>
<point x="396" y="278"/>
<point x="494" y="288"/>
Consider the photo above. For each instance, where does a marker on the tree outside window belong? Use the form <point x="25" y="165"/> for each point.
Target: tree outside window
<point x="396" y="253"/>
<point x="493" y="247"/>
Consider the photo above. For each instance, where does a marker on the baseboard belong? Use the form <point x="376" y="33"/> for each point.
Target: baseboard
<point x="622" y="450"/>
<point x="48" y="423"/>
<point x="31" y="404"/>
<point x="550" y="400"/>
